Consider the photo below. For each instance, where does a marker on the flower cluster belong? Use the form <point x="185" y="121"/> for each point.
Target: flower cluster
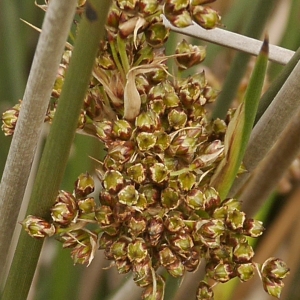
<point x="156" y="207"/>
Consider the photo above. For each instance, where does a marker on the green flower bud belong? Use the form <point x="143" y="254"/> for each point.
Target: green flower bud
<point x="182" y="19"/>
<point x="177" y="119"/>
<point x="155" y="230"/>
<point x="235" y="219"/>
<point x="157" y="34"/>
<point x="242" y="253"/>
<point x="104" y="131"/>
<point x="174" y="223"/>
<point x="119" y="249"/>
<point x="206" y="17"/>
<point x="274" y="268"/>
<point x="146" y="141"/>
<point x="273" y="286"/>
<point x="84" y="252"/>
<point x="162" y="141"/>
<point x="121" y="151"/>
<point x="221" y="272"/>
<point x="9" y="119"/>
<point x="147" y="121"/>
<point x="37" y="227"/>
<point x="159" y="173"/>
<point x="122" y="129"/>
<point x="245" y="271"/>
<point x="104" y="215"/>
<point x="113" y="181"/>
<point x="87" y="208"/>
<point x="148" y="293"/>
<point x="148" y="7"/>
<point x="128" y="195"/>
<point x="195" y="199"/>
<point x="166" y="256"/>
<point x="158" y="106"/>
<point x="182" y="243"/>
<point x="84" y="185"/>
<point x="142" y="273"/>
<point x="65" y="209"/>
<point x="193" y="55"/>
<point x="137" y="251"/>
<point x="212" y="199"/>
<point x="204" y="291"/>
<point x="170" y="198"/>
<point x="253" y="228"/>
<point x="137" y="173"/>
<point x="187" y="181"/>
<point x="136" y="225"/>
<point x="176" y="269"/>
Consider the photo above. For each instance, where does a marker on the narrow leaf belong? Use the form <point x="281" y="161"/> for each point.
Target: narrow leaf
<point x="240" y="127"/>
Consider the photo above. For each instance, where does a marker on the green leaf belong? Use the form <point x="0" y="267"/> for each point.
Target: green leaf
<point x="240" y="127"/>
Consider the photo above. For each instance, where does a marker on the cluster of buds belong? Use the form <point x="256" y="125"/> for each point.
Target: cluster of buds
<point x="272" y="272"/>
<point x="156" y="207"/>
<point x="70" y="216"/>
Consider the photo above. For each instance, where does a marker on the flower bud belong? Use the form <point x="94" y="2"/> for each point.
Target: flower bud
<point x="170" y="198"/>
<point x="253" y="228"/>
<point x="121" y="151"/>
<point x="176" y="269"/>
<point x="149" y="294"/>
<point x="137" y="173"/>
<point x="137" y="251"/>
<point x="65" y="209"/>
<point x="157" y="34"/>
<point x="159" y="173"/>
<point x="37" y="227"/>
<point x="245" y="271"/>
<point x="177" y="119"/>
<point x="142" y="273"/>
<point x="146" y="141"/>
<point x="242" y="253"/>
<point x="113" y="181"/>
<point x="274" y="268"/>
<point x="128" y="195"/>
<point x="84" y="252"/>
<point x="273" y="286"/>
<point x="206" y="17"/>
<point x="9" y="119"/>
<point x="187" y="181"/>
<point x="84" y="185"/>
<point x="235" y="219"/>
<point x="136" y="225"/>
<point x="166" y="256"/>
<point x="204" y="291"/>
<point x="122" y="129"/>
<point x="195" y="199"/>
<point x="155" y="230"/>
<point x="87" y="208"/>
<point x="194" y="55"/>
<point x="104" y="215"/>
<point x="104" y="131"/>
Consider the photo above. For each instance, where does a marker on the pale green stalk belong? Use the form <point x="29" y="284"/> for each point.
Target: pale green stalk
<point x="34" y="106"/>
<point x="55" y="155"/>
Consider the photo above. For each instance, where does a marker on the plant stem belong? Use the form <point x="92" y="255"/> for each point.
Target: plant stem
<point x="34" y="106"/>
<point x="55" y="155"/>
<point x="270" y="125"/>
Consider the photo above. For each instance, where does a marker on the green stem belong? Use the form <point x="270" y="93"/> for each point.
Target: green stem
<point x="123" y="54"/>
<point x="55" y="155"/>
<point x="116" y="58"/>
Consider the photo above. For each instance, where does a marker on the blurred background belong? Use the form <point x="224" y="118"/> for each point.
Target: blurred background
<point x="56" y="277"/>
